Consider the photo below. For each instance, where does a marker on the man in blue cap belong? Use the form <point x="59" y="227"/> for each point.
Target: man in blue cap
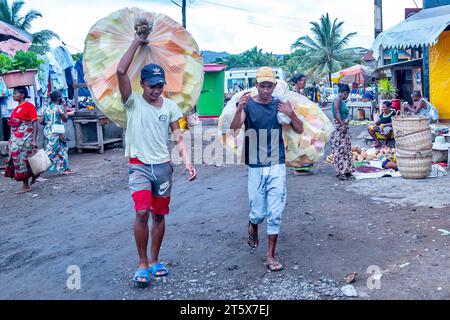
<point x="149" y="117"/>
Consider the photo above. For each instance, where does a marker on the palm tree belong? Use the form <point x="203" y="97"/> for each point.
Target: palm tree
<point x="327" y="52"/>
<point x="232" y="61"/>
<point x="11" y="15"/>
<point x="292" y="63"/>
<point x="272" y="60"/>
<point x="292" y="67"/>
<point x="255" y="57"/>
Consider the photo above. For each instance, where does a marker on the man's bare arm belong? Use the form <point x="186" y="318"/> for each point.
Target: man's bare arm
<point x="240" y="116"/>
<point x="124" y="65"/>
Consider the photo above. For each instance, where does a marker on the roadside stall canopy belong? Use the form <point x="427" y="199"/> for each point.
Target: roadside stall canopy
<point x="13" y="39"/>
<point x="421" y="29"/>
<point x="359" y="74"/>
<point x="209" y="68"/>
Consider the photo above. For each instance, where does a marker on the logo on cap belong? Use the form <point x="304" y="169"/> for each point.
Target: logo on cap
<point x="157" y="71"/>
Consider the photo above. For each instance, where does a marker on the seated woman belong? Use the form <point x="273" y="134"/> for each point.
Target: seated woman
<point x="383" y="127"/>
<point x="421" y="106"/>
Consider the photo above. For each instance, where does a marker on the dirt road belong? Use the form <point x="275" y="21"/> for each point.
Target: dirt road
<point x="330" y="229"/>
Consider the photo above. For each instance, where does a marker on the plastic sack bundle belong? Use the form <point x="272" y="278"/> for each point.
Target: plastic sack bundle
<point x="171" y="47"/>
<point x="307" y="148"/>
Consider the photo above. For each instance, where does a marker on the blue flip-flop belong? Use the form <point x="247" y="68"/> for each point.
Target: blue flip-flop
<point x="159" y="267"/>
<point x="142" y="273"/>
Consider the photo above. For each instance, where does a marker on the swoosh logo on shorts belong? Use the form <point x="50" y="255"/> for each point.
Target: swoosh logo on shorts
<point x="164" y="187"/>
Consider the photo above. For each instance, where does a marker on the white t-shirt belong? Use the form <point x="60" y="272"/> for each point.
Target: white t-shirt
<point x="147" y="134"/>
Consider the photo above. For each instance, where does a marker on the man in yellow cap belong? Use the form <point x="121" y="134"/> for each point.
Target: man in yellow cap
<point x="265" y="157"/>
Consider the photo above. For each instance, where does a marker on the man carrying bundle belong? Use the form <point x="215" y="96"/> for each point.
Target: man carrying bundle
<point x="265" y="156"/>
<point x="149" y="117"/>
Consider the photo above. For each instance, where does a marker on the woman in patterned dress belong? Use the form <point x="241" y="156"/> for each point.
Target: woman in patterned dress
<point x="55" y="143"/>
<point x="23" y="141"/>
<point x="341" y="144"/>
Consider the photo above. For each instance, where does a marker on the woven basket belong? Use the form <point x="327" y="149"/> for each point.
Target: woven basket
<point x="412" y="133"/>
<point x="414" y="164"/>
<point x="414" y="154"/>
<point x="419" y="141"/>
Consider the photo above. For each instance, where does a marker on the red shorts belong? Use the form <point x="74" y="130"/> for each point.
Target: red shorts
<point x="151" y="186"/>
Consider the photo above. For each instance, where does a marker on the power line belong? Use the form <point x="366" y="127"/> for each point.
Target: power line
<point x="297" y="31"/>
<point x="272" y="27"/>
<point x="67" y="45"/>
<point x="226" y="6"/>
<point x="183" y="6"/>
<point x="175" y="3"/>
<point x="179" y="5"/>
<point x="265" y="13"/>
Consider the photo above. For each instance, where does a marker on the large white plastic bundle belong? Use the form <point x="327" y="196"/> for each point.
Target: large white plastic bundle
<point x="307" y="148"/>
<point x="171" y="47"/>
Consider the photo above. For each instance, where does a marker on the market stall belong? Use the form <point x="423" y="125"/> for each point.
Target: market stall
<point x="357" y="74"/>
<point x="59" y="72"/>
<point x="365" y="109"/>
<point x="430" y="69"/>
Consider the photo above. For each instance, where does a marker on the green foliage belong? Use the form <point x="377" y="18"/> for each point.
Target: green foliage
<point x="41" y="41"/>
<point x="317" y="57"/>
<point x="5" y="63"/>
<point x="292" y="63"/>
<point x="387" y="89"/>
<point x="21" y="61"/>
<point x="253" y="58"/>
<point x="326" y="51"/>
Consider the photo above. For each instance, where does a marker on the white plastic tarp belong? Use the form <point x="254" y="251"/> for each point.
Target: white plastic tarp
<point x="421" y="29"/>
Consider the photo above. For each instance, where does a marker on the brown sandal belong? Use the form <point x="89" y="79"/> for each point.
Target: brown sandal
<point x="23" y="192"/>
<point x="253" y="240"/>
<point x="275" y="267"/>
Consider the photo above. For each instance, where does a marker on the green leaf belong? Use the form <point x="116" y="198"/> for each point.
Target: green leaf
<point x="325" y="50"/>
<point x="387" y="89"/>
<point x="6" y="63"/>
<point x="21" y="61"/>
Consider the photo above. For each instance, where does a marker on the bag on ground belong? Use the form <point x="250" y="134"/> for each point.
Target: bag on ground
<point x="39" y="162"/>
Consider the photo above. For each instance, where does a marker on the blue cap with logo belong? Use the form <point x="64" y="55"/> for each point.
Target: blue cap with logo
<point x="153" y="75"/>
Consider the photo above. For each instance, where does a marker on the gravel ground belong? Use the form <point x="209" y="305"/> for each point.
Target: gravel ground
<point x="330" y="228"/>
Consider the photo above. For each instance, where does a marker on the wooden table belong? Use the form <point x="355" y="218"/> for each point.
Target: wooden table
<point x="361" y="105"/>
<point x="99" y="145"/>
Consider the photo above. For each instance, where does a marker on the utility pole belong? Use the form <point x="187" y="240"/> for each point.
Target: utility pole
<point x="184" y="13"/>
<point x="378" y="17"/>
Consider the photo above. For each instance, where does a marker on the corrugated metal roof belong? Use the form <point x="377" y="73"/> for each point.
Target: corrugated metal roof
<point x="409" y="63"/>
<point x="22" y="35"/>
<point x="214" y="67"/>
<point x="13" y="39"/>
<point x="421" y="29"/>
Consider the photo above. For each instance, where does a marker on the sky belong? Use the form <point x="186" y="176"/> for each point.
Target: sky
<point x="225" y="25"/>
